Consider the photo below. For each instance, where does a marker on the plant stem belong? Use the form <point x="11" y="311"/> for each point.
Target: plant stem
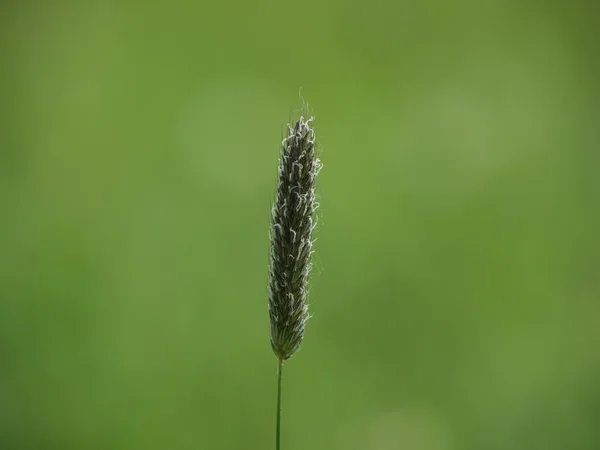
<point x="278" y="423"/>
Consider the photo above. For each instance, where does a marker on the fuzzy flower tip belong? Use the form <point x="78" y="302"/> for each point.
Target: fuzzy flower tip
<point x="291" y="239"/>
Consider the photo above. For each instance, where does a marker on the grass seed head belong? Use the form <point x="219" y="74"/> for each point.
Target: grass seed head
<point x="291" y="238"/>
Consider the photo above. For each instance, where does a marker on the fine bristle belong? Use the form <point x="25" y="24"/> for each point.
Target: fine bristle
<point x="291" y="239"/>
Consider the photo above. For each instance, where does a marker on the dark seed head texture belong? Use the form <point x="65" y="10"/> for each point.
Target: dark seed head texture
<point x="291" y="239"/>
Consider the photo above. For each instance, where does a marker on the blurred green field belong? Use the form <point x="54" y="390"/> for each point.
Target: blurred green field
<point x="455" y="295"/>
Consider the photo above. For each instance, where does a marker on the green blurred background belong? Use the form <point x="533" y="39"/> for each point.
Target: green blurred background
<point x="455" y="296"/>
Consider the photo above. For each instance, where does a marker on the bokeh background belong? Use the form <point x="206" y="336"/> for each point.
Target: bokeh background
<point x="455" y="296"/>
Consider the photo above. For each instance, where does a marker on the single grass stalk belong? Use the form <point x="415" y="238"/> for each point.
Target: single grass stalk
<point x="291" y="246"/>
<point x="278" y="421"/>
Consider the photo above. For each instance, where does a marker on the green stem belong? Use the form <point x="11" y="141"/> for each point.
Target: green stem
<point x="278" y="423"/>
